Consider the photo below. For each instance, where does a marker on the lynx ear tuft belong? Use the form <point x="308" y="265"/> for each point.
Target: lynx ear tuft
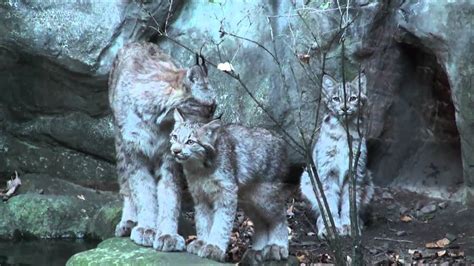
<point x="178" y="117"/>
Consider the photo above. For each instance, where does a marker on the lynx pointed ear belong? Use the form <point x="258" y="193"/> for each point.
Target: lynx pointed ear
<point x="213" y="125"/>
<point x="211" y="129"/>
<point x="328" y="83"/>
<point x="363" y="83"/>
<point x="178" y="117"/>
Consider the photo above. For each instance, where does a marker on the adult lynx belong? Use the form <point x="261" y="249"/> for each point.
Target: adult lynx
<point x="331" y="154"/>
<point x="144" y="85"/>
<point x="230" y="165"/>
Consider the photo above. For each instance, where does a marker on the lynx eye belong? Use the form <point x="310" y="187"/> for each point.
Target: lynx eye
<point x="336" y="99"/>
<point x="174" y="137"/>
<point x="190" y="142"/>
<point x="352" y="98"/>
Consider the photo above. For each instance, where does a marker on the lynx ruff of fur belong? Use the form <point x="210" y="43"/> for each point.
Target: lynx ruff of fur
<point x="331" y="155"/>
<point x="230" y="165"/>
<point x="144" y="85"/>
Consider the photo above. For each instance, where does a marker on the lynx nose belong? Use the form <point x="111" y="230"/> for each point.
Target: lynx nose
<point x="344" y="108"/>
<point x="176" y="151"/>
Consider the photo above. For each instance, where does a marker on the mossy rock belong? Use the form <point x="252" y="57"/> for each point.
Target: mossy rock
<point x="122" y="251"/>
<point x="59" y="210"/>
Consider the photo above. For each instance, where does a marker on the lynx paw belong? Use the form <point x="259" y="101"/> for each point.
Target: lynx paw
<point x="143" y="236"/>
<point x="124" y="228"/>
<point x="195" y="246"/>
<point x="345" y="230"/>
<point x="274" y="252"/>
<point x="169" y="243"/>
<point x="212" y="252"/>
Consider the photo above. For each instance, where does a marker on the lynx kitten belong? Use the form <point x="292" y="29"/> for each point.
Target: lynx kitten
<point x="230" y="165"/>
<point x="331" y="154"/>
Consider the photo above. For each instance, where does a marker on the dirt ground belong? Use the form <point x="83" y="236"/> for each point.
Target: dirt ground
<point x="399" y="228"/>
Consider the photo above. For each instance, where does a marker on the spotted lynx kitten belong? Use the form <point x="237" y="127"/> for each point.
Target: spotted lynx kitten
<point x="230" y="165"/>
<point x="331" y="154"/>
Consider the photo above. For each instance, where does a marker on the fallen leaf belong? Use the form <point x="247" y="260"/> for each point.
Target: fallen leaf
<point x="438" y="244"/>
<point x="406" y="218"/>
<point x="304" y="58"/>
<point x="417" y="255"/>
<point x="289" y="211"/>
<point x="441" y="253"/>
<point x="190" y="239"/>
<point x="431" y="245"/>
<point x="81" y="197"/>
<point x="456" y="254"/>
<point x="301" y="258"/>
<point x="226" y="67"/>
<point x="443" y="242"/>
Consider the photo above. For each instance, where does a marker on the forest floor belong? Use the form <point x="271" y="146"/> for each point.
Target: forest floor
<point x="402" y="228"/>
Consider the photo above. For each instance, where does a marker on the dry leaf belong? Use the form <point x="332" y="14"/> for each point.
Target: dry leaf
<point x="304" y="58"/>
<point x="431" y="245"/>
<point x="456" y="254"/>
<point x="12" y="187"/>
<point x="406" y="218"/>
<point x="441" y="253"/>
<point x="301" y="258"/>
<point x="443" y="242"/>
<point x="438" y="244"/>
<point x="289" y="211"/>
<point x="81" y="197"/>
<point x="225" y="67"/>
<point x="190" y="239"/>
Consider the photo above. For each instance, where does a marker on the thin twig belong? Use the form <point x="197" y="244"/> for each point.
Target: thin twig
<point x="393" y="240"/>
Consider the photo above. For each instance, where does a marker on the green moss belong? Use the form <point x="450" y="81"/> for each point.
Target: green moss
<point x="122" y="251"/>
<point x="47" y="215"/>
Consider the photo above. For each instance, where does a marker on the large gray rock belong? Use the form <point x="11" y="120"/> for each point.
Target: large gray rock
<point x="82" y="36"/>
<point x="55" y="119"/>
<point x="54" y="60"/>
<point x="444" y="28"/>
<point x="122" y="251"/>
<point x="262" y="41"/>
<point x="48" y="207"/>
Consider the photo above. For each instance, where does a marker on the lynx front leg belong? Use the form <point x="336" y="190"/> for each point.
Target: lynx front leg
<point x="203" y="219"/>
<point x="129" y="217"/>
<point x="169" y="205"/>
<point x="224" y="213"/>
<point x="346" y="228"/>
<point x="143" y="185"/>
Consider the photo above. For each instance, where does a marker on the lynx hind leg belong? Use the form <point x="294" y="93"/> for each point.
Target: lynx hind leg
<point x="365" y="191"/>
<point x="269" y="213"/>
<point x="308" y="194"/>
<point x="143" y="188"/>
<point x="169" y="206"/>
<point x="129" y="218"/>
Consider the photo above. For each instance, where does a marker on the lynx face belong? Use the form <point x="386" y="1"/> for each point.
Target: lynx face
<point x="197" y="85"/>
<point x="192" y="141"/>
<point x="334" y="95"/>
